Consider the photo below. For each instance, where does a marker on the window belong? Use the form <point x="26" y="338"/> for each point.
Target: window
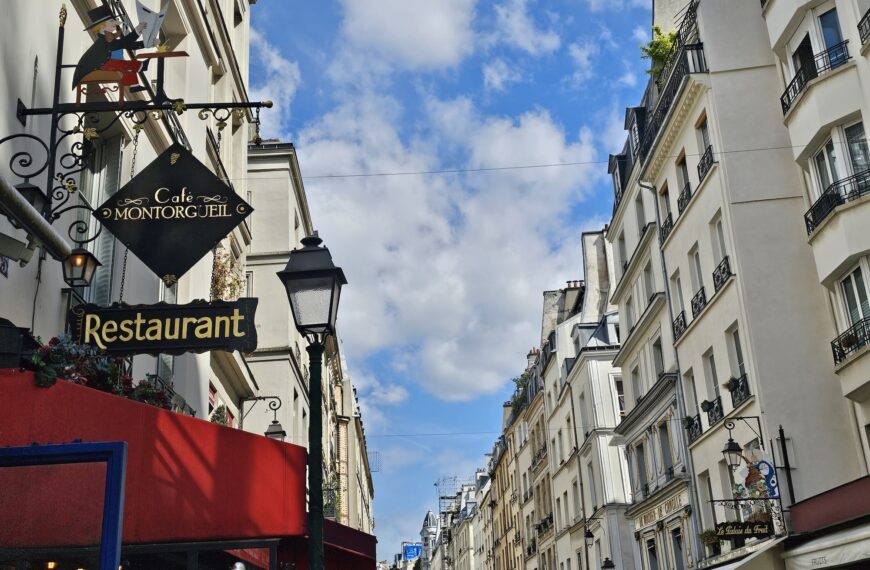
<point x="703" y="133"/>
<point x="558" y="513"/>
<point x="635" y="384"/>
<point x="98" y="182"/>
<point x="711" y="374"/>
<point x="856" y="142"/>
<point x="665" y="442"/>
<point x="827" y="166"/>
<point x="619" y="389"/>
<point x="682" y="171"/>
<point x="629" y="313"/>
<point x="641" y="215"/>
<point x="249" y="283"/>
<point x="561" y="454"/>
<point x="658" y="357"/>
<point x="695" y="266"/>
<point x="567" y="509"/>
<point x="717" y="238"/>
<point x="855" y="296"/>
<point x="575" y="493"/>
<point x="830" y="26"/>
<point x="648" y="283"/>
<point x="593" y="492"/>
<point x="677" y="286"/>
<point x="651" y="554"/>
<point x="665" y="201"/>
<point x="691" y="391"/>
<point x="737" y="352"/>
<point x="620" y="243"/>
<point x="231" y="419"/>
<point x="705" y="489"/>
<point x="212" y="398"/>
<point x="677" y="545"/>
<point x="640" y="458"/>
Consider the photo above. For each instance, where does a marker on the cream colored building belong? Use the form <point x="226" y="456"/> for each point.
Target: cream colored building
<point x="740" y="330"/>
<point x="280" y="220"/>
<point x="216" y="70"/>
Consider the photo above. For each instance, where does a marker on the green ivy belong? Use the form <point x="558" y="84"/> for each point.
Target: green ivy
<point x="658" y="50"/>
<point x="219" y="415"/>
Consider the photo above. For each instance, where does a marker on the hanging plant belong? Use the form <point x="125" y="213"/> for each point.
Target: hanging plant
<point x="227" y="278"/>
<point x="658" y="50"/>
<point x="709" y="537"/>
<point x="219" y="416"/>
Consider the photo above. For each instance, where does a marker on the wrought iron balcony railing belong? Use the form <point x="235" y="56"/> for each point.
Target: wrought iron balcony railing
<point x="714" y="410"/>
<point x="836" y="194"/>
<point x="685" y="197"/>
<point x="721" y="273"/>
<point x="699" y="301"/>
<point x="667" y="226"/>
<point x="689" y="59"/>
<point x="706" y="163"/>
<point x="851" y="341"/>
<point x="680" y="325"/>
<point x="864" y="27"/>
<point x="694" y="427"/>
<point x="739" y="388"/>
<point x="831" y="58"/>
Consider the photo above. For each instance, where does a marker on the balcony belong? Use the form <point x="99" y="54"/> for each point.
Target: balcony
<point x="680" y="325"/>
<point x="693" y="427"/>
<point x="705" y="164"/>
<point x="714" y="410"/>
<point x="837" y="194"/>
<point x="667" y="226"/>
<point x="699" y="301"/>
<point x="829" y="59"/>
<point x="538" y="458"/>
<point x="739" y="388"/>
<point x="684" y="198"/>
<point x="721" y="273"/>
<point x="864" y="27"/>
<point x="851" y="341"/>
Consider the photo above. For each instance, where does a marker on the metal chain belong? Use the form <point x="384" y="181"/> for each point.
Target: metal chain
<point x="138" y="129"/>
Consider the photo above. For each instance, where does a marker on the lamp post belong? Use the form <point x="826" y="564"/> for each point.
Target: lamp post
<point x="79" y="268"/>
<point x="313" y="285"/>
<point x="608" y="563"/>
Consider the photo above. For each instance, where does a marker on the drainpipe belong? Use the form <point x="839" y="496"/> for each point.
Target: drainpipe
<point x="681" y="401"/>
<point x="38" y="228"/>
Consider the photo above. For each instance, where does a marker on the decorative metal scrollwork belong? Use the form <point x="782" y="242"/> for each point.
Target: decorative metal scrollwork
<point x="23" y="159"/>
<point x="81" y="226"/>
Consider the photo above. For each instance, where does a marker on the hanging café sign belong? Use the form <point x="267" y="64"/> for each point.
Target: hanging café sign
<point x="169" y="329"/>
<point x="172" y="213"/>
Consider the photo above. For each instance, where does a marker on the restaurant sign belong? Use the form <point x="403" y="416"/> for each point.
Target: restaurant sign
<point x="749" y="529"/>
<point x="172" y="213"/>
<point x="198" y="326"/>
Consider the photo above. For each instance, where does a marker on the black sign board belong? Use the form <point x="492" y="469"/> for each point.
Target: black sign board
<point x="749" y="529"/>
<point x="169" y="329"/>
<point x="172" y="213"/>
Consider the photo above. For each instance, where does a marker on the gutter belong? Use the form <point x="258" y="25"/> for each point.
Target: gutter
<point x="40" y="232"/>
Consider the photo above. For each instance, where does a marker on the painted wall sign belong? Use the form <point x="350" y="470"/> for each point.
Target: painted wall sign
<point x="169" y="329"/>
<point x="172" y="213"/>
<point x="749" y="529"/>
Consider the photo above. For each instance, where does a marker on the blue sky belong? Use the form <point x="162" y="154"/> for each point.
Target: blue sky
<point x="446" y="270"/>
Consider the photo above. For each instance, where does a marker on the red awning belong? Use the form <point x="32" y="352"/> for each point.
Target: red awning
<point x="187" y="479"/>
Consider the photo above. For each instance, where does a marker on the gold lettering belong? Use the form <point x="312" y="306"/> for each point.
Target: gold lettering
<point x="92" y="325"/>
<point x="157" y="195"/>
<point x="179" y="211"/>
<point x="139" y="322"/>
<point x="155" y="330"/>
<point x="110" y="328"/>
<point x="190" y="211"/>
<point x="126" y="330"/>
<point x="121" y="213"/>
<point x="237" y="318"/>
<point x="172" y="335"/>
<point x="217" y="327"/>
<point x="187" y="321"/>
<point x="204" y="328"/>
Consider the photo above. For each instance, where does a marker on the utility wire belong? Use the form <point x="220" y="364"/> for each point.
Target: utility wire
<point x="500" y="168"/>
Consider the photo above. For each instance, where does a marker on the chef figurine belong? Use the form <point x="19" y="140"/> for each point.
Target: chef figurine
<point x="104" y="60"/>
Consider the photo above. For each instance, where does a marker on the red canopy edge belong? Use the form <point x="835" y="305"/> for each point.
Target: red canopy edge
<point x="187" y="479"/>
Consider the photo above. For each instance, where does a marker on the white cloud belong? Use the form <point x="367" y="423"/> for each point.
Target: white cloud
<point x="498" y="74"/>
<point x="281" y="78"/>
<point x="446" y="271"/>
<point x="411" y="34"/>
<point x="628" y="77"/>
<point x="514" y="26"/>
<point x="640" y="34"/>
<point x="582" y="57"/>
<point x="599" y="5"/>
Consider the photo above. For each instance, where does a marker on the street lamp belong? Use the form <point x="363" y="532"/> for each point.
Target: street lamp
<point x="733" y="453"/>
<point x="608" y="563"/>
<point x="313" y="285"/>
<point x="590" y="538"/>
<point x="79" y="267"/>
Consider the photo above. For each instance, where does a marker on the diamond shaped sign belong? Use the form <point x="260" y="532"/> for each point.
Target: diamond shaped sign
<point x="172" y="213"/>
